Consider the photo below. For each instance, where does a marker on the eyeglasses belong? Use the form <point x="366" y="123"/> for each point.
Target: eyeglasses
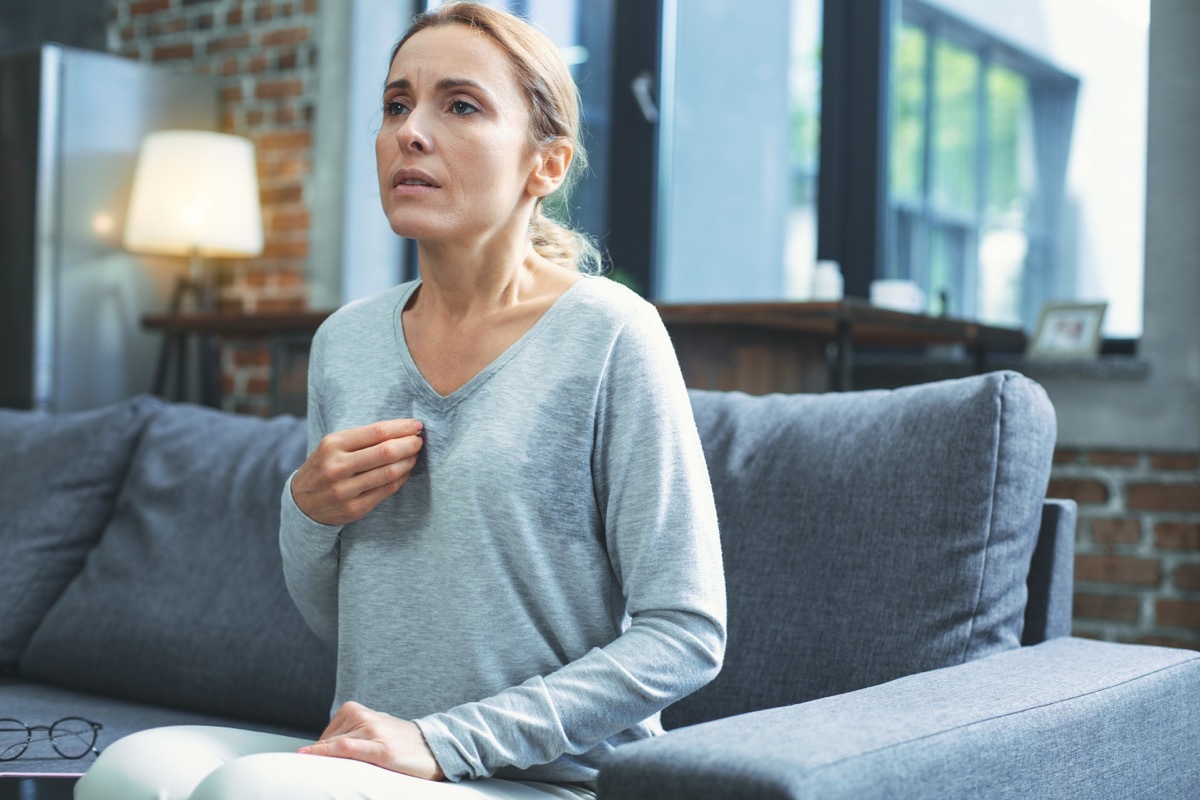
<point x="71" y="737"/>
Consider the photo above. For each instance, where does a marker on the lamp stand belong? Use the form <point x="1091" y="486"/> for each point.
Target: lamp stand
<point x="198" y="286"/>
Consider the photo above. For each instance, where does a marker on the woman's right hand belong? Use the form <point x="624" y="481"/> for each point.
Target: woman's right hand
<point x="352" y="471"/>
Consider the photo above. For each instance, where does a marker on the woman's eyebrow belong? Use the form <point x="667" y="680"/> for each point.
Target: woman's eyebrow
<point x="444" y="85"/>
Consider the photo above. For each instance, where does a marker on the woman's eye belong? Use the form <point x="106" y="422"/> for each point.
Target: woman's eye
<point x="394" y="108"/>
<point x="462" y="107"/>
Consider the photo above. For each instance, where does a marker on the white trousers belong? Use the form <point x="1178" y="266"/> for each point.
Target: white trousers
<point x="193" y="762"/>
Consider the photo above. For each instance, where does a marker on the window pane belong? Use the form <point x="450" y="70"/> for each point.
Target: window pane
<point x="955" y="127"/>
<point x="804" y="93"/>
<point x="1010" y="182"/>
<point x="907" y="162"/>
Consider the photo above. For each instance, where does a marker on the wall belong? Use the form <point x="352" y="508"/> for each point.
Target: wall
<point x="1137" y="566"/>
<point x="264" y="54"/>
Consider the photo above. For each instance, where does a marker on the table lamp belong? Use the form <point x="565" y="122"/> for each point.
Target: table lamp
<point x="195" y="194"/>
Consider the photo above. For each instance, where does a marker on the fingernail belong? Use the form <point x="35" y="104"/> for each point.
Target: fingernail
<point x="305" y="750"/>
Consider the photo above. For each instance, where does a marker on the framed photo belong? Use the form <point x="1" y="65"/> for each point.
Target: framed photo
<point x="1067" y="330"/>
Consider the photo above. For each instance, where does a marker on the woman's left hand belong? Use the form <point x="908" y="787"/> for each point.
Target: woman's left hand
<point x="358" y="733"/>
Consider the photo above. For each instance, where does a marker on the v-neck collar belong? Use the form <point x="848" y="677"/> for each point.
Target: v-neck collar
<point x="468" y="388"/>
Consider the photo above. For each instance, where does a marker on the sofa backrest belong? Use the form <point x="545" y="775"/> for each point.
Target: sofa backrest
<point x="870" y="535"/>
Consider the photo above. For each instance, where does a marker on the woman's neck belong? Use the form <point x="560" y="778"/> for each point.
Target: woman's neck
<point x="459" y="281"/>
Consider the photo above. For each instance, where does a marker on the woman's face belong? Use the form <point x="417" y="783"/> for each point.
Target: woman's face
<point x="454" y="153"/>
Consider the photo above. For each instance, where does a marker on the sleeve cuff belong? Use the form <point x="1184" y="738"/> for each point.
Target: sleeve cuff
<point x="296" y="520"/>
<point x="443" y="747"/>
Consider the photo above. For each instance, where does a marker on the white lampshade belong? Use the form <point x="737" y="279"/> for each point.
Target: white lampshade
<point x="195" y="192"/>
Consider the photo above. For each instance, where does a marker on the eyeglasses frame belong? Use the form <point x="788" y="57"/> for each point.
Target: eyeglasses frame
<point x="30" y="730"/>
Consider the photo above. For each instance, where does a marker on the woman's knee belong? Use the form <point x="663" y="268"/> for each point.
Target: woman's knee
<point x="169" y="762"/>
<point x="151" y="764"/>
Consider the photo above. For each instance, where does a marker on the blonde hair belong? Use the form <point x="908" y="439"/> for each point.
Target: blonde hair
<point x="554" y="110"/>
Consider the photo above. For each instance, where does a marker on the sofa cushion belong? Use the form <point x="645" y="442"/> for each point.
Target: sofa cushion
<point x="61" y="476"/>
<point x="870" y="535"/>
<point x="183" y="603"/>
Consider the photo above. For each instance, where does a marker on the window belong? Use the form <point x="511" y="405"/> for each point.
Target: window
<point x="980" y="135"/>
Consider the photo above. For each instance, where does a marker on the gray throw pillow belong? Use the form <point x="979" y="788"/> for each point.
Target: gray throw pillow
<point x="61" y="476"/>
<point x="870" y="535"/>
<point x="183" y="602"/>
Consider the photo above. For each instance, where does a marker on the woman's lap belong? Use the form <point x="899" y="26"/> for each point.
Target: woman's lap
<point x="203" y="763"/>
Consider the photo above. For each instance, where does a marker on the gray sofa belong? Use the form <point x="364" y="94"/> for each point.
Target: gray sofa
<point x="899" y="597"/>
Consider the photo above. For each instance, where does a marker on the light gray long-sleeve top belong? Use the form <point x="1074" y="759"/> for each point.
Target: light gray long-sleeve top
<point x="549" y="578"/>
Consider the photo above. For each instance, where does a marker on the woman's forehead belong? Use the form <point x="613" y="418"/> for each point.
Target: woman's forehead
<point x="453" y="51"/>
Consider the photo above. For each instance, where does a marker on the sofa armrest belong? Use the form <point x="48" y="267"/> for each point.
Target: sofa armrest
<point x="1069" y="718"/>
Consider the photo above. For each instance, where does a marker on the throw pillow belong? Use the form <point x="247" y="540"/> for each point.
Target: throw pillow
<point x="870" y="535"/>
<point x="61" y="476"/>
<point x="183" y="602"/>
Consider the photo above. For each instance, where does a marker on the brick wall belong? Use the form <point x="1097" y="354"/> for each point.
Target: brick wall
<point x="264" y="56"/>
<point x="1137" y="563"/>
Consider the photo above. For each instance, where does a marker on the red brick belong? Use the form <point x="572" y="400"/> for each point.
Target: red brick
<point x="254" y="118"/>
<point x="286" y="36"/>
<point x="310" y="6"/>
<point x="231" y="66"/>
<point x="285" y="140"/>
<point x="168" y="52"/>
<point x="1123" y="608"/>
<point x="233" y="17"/>
<point x="252" y="356"/>
<point x="287" y="60"/>
<point x="1080" y="490"/>
<point x="127" y="32"/>
<point x="148" y="6"/>
<point x="1187" y="577"/>
<point x="228" y="43"/>
<point x="232" y="94"/>
<point x="1066" y="456"/>
<point x="289" y="220"/>
<point x="1116" y="531"/>
<point x="1163" y="496"/>
<point x="273" y="90"/>
<point x="1178" y="613"/>
<point x="1177" y="535"/>
<point x="277" y="195"/>
<point x="263" y="13"/>
<point x="285" y="249"/>
<point x="1113" y="458"/>
<point x="1175" y="461"/>
<point x="290" y="278"/>
<point x="1117" y="569"/>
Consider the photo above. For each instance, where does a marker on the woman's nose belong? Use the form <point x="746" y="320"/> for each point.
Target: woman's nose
<point x="413" y="135"/>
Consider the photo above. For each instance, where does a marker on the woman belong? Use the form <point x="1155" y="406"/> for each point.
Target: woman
<point x="505" y="521"/>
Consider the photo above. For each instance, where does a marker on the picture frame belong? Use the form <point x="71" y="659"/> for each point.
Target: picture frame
<point x="1067" y="330"/>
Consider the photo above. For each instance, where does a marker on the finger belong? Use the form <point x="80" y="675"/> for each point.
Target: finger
<point x="351" y="747"/>
<point x="357" y="488"/>
<point x="354" y="439"/>
<point x="384" y="453"/>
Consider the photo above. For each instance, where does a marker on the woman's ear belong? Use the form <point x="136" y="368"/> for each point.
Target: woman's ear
<point x="551" y="168"/>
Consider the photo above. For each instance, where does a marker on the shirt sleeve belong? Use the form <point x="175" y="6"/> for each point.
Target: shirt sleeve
<point x="309" y="548"/>
<point x="653" y="492"/>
